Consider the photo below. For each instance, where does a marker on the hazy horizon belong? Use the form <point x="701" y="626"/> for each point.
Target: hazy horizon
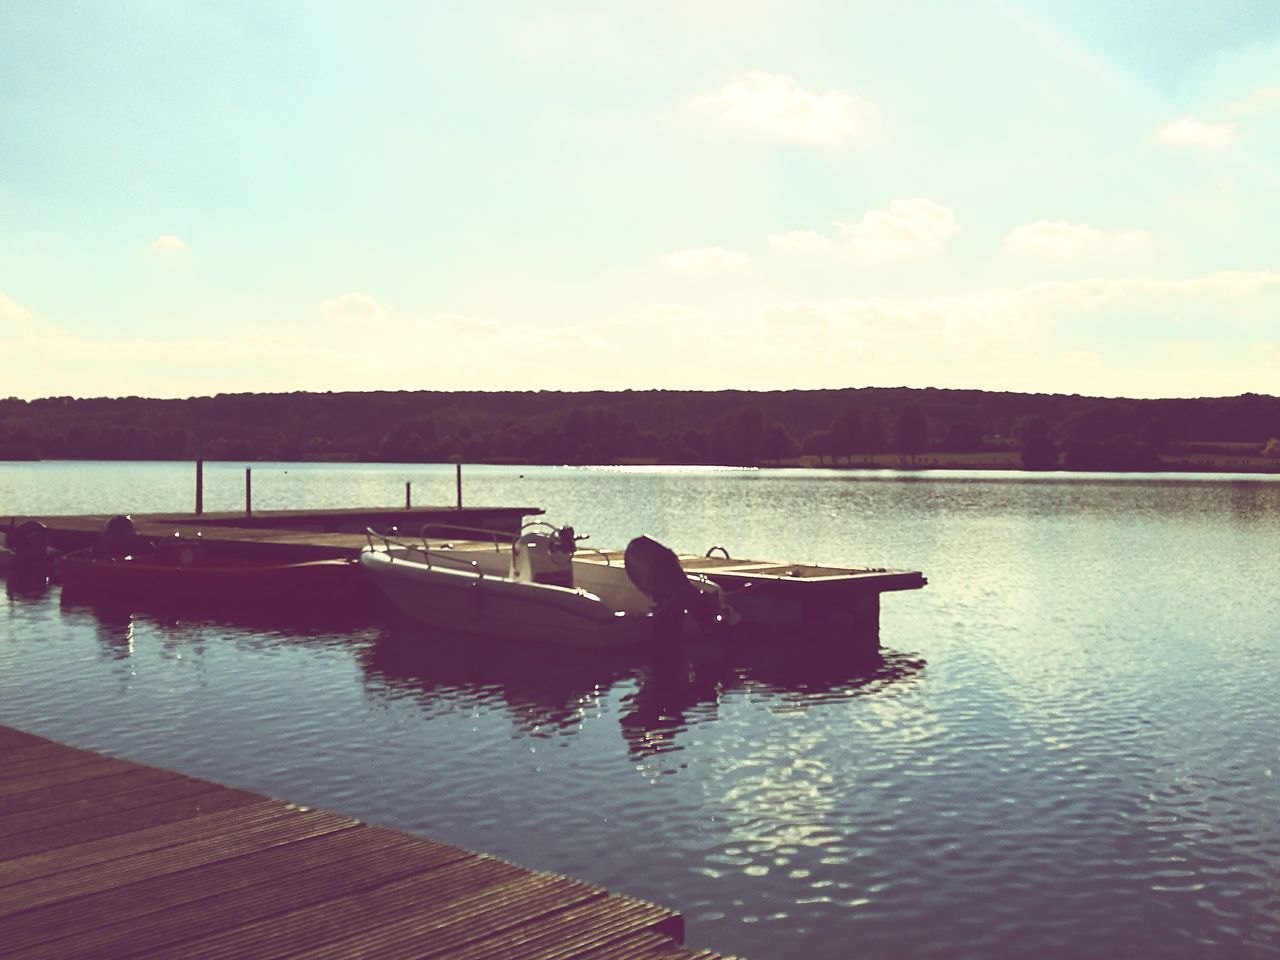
<point x="1034" y="196"/>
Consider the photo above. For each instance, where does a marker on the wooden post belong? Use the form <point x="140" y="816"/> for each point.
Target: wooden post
<point x="248" y="492"/>
<point x="406" y="494"/>
<point x="199" y="487"/>
<point x="458" y="467"/>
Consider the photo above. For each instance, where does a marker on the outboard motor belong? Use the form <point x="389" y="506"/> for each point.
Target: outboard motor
<point x="544" y="558"/>
<point x="657" y="573"/>
<point x="29" y="542"/>
<point x="119" y="538"/>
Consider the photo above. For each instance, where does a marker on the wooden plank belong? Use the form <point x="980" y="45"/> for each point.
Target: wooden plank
<point x="166" y="893"/>
<point x="269" y="893"/>
<point x="10" y="737"/>
<point x="440" y="927"/>
<point x="41" y="817"/>
<point x="101" y="767"/>
<point x="47" y="762"/>
<point x="115" y="824"/>
<point x="649" y="946"/>
<point x="28" y="751"/>
<point x="133" y="778"/>
<point x="646" y="945"/>
<point x="231" y="838"/>
<point x="20" y="869"/>
<point x="286" y="934"/>
<point x="104" y="858"/>
<point x="568" y="933"/>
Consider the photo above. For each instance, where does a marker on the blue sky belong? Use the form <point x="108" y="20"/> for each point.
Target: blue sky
<point x="1048" y="195"/>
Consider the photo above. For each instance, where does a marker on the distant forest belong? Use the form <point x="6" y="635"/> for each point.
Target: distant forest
<point x="852" y="426"/>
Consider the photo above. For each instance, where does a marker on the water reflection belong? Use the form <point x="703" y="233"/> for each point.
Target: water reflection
<point x="548" y="690"/>
<point x="678" y="689"/>
<point x="279" y="620"/>
<point x="25" y="585"/>
<point x="544" y="690"/>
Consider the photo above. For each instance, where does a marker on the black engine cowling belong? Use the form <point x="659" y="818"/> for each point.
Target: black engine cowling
<point x="657" y="573"/>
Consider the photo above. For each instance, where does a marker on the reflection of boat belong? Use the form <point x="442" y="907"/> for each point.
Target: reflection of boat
<point x="664" y="690"/>
<point x="541" y="695"/>
<point x="530" y="588"/>
<point x="676" y="692"/>
<point x="125" y="568"/>
<point x="26" y="549"/>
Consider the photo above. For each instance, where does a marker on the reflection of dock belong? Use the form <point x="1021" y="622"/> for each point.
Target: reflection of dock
<point x="102" y="857"/>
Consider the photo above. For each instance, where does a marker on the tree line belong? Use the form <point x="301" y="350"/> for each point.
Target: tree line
<point x="664" y="426"/>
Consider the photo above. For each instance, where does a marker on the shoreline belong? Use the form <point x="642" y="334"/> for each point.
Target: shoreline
<point x="1005" y="463"/>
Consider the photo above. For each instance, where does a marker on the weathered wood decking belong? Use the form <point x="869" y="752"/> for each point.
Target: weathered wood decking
<point x="105" y="858"/>
<point x="290" y="534"/>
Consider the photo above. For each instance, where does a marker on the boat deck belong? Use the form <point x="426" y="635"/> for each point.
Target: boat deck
<point x="288" y="535"/>
<point x="101" y="857"/>
<point x="296" y="535"/>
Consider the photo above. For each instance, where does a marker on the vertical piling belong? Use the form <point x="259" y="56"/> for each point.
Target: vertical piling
<point x="199" y="487"/>
<point x="248" y="492"/>
<point x="406" y="494"/>
<point x="458" y="469"/>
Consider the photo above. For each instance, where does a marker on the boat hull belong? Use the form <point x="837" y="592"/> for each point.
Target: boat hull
<point x="211" y="584"/>
<point x="493" y="606"/>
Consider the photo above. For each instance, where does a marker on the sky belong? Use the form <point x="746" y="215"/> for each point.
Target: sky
<point x="1066" y="196"/>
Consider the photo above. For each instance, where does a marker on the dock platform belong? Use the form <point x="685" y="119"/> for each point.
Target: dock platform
<point x="780" y="594"/>
<point x="289" y="535"/>
<point x="101" y="857"/>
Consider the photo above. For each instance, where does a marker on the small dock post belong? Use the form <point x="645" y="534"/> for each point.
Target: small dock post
<point x="407" y="485"/>
<point x="248" y="492"/>
<point x="199" y="486"/>
<point x="458" y="472"/>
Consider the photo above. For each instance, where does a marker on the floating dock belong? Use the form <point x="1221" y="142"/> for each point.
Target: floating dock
<point x="101" y="857"/>
<point x="781" y="594"/>
<point x="288" y="535"/>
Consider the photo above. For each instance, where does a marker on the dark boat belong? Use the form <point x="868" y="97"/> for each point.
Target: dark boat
<point x="183" y="573"/>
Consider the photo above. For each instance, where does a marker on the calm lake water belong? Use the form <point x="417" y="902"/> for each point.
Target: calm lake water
<point x="1072" y="747"/>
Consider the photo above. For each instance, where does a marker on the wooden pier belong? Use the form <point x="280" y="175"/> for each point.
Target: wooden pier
<point x="291" y="534"/>
<point x="323" y="534"/>
<point x="821" y="597"/>
<point x="101" y="857"/>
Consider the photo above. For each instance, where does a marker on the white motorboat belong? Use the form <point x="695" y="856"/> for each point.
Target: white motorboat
<point x="530" y="588"/>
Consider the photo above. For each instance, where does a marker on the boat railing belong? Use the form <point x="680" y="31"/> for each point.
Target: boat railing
<point x="500" y="538"/>
<point x="443" y="551"/>
<point x="429" y="556"/>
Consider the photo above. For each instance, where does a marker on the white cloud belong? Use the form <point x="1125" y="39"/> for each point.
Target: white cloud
<point x="19" y="323"/>
<point x="168" y="243"/>
<point x="700" y="259"/>
<point x="356" y="309"/>
<point x="12" y="316"/>
<point x="775" y="105"/>
<point x="1059" y="240"/>
<point x="801" y="243"/>
<point x="1190" y="131"/>
<point x="1259" y="101"/>
<point x="910" y="227"/>
<point x="1225" y="286"/>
